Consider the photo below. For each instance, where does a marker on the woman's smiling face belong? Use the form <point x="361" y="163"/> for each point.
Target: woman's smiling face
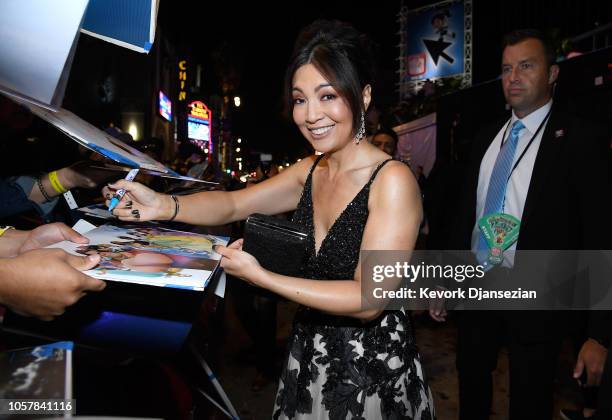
<point x="323" y="117"/>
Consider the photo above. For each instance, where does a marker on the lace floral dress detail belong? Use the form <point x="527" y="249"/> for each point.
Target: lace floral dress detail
<point x="338" y="367"/>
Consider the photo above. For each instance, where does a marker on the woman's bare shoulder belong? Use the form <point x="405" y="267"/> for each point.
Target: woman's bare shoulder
<point x="395" y="179"/>
<point x="395" y="170"/>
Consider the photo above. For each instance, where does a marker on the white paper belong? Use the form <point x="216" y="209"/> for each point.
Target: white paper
<point x="97" y="210"/>
<point x="220" y="289"/>
<point x="83" y="226"/>
<point x="38" y="40"/>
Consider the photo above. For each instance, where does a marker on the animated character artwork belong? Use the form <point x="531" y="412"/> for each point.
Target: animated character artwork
<point x="151" y="255"/>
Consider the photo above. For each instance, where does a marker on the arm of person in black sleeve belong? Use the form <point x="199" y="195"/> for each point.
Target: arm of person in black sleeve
<point x="14" y="199"/>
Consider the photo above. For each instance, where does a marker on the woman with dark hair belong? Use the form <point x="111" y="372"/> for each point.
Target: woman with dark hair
<point x="344" y="361"/>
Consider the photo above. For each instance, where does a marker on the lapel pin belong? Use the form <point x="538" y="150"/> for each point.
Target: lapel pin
<point x="559" y="133"/>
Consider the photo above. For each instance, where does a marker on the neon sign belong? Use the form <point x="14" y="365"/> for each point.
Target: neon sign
<point x="199" y="122"/>
<point x="182" y="65"/>
<point x="165" y="106"/>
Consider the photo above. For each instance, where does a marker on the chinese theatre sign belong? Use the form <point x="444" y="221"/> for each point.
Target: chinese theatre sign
<point x="182" y="65"/>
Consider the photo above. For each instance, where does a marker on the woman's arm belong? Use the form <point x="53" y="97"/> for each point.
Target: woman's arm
<point x="278" y="194"/>
<point x="393" y="223"/>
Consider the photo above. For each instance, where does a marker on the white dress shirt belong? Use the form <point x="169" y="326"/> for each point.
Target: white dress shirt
<point x="518" y="185"/>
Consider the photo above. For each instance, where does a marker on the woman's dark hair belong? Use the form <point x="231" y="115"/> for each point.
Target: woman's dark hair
<point x="342" y="55"/>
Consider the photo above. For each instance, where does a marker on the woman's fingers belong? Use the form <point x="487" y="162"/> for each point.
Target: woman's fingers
<point x="126" y="213"/>
<point x="107" y="192"/>
<point x="236" y="244"/>
<point x="224" y="251"/>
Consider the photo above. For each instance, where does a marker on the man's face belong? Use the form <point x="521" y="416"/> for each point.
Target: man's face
<point x="384" y="142"/>
<point x="526" y="77"/>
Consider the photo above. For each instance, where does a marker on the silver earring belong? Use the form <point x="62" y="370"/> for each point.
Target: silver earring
<point x="361" y="133"/>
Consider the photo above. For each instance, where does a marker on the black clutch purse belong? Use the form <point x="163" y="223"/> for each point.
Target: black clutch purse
<point x="279" y="245"/>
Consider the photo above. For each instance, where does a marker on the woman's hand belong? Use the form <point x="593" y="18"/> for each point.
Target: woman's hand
<point x="240" y="264"/>
<point x="139" y="203"/>
<point x="437" y="308"/>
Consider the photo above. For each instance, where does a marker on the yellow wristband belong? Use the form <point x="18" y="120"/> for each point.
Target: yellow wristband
<point x="55" y="182"/>
<point x="3" y="229"/>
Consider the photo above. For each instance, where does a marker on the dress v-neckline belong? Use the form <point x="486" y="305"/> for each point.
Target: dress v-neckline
<point x="317" y="252"/>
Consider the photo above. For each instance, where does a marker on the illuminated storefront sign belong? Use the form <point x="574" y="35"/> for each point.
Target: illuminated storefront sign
<point x="199" y="124"/>
<point x="165" y="106"/>
<point x="182" y="80"/>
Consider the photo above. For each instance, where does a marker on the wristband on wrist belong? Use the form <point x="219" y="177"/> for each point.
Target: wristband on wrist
<point x="55" y="182"/>
<point x="3" y="229"/>
<point x="176" y="208"/>
<point x="42" y="189"/>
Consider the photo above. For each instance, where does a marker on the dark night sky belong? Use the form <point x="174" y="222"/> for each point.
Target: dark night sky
<point x="259" y="38"/>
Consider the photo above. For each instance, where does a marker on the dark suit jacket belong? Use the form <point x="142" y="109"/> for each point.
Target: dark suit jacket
<point x="568" y="203"/>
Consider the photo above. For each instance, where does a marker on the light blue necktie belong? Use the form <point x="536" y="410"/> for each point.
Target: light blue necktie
<point x="499" y="182"/>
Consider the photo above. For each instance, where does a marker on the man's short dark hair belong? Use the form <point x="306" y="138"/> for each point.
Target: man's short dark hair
<point x="520" y="35"/>
<point x="387" y="131"/>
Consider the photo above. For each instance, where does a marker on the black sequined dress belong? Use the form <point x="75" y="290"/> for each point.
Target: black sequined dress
<point x="338" y="367"/>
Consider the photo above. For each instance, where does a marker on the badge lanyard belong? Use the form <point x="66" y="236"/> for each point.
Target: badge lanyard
<point x="522" y="154"/>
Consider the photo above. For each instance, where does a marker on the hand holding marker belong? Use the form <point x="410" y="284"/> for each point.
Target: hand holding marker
<point x="120" y="193"/>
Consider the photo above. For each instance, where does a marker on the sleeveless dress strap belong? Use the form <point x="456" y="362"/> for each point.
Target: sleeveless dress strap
<point x="372" y="177"/>
<point x="378" y="168"/>
<point x="315" y="164"/>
